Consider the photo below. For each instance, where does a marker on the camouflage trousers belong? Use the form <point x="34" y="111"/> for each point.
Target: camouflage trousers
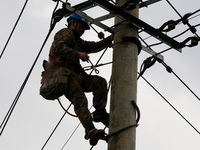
<point x="76" y="95"/>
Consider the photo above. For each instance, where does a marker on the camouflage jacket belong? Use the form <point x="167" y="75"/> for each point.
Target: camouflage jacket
<point x="66" y="45"/>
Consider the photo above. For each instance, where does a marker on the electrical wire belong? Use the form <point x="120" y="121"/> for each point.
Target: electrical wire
<point x="66" y="109"/>
<point x="159" y="94"/>
<point x="193" y="30"/>
<point x="13" y="28"/>
<point x="155" y="44"/>
<point x="54" y="130"/>
<point x="8" y="115"/>
<point x="72" y="134"/>
<point x="184" y="32"/>
<point x="170" y="70"/>
<point x="26" y="79"/>
<point x="169" y="104"/>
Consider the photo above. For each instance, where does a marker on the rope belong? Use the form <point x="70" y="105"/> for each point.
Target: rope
<point x="13" y="29"/>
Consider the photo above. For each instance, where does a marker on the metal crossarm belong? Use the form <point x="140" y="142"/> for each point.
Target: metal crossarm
<point x="149" y="2"/>
<point x="97" y="21"/>
<point x="139" y="24"/>
<point x="91" y="20"/>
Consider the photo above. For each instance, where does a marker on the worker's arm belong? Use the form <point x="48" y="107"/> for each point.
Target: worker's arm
<point x="83" y="56"/>
<point x="63" y="44"/>
<point x="92" y="46"/>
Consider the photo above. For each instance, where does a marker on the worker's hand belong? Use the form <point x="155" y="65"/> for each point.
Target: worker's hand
<point x="83" y="56"/>
<point x="111" y="36"/>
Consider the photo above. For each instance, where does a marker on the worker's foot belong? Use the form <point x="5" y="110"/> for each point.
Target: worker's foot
<point x="96" y="136"/>
<point x="89" y="133"/>
<point x="101" y="116"/>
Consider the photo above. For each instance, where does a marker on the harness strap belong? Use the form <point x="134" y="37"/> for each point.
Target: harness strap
<point x="53" y="56"/>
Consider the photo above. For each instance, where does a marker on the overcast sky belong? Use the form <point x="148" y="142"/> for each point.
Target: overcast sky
<point x="34" y="118"/>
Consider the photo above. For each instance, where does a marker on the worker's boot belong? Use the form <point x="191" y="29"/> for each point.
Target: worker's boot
<point x="88" y="134"/>
<point x="96" y="136"/>
<point x="101" y="116"/>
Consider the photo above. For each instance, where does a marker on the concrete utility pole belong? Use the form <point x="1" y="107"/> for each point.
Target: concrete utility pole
<point x="124" y="86"/>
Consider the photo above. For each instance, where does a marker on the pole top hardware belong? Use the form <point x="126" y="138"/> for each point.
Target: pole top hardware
<point x="134" y="40"/>
<point x="139" y="24"/>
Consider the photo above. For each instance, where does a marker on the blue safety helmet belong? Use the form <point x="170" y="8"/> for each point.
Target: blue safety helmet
<point x="77" y="17"/>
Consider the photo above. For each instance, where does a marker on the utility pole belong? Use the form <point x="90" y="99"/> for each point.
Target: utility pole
<point x="124" y="86"/>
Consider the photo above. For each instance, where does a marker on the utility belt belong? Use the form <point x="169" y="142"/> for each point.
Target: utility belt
<point x="73" y="66"/>
<point x="59" y="64"/>
<point x="55" y="78"/>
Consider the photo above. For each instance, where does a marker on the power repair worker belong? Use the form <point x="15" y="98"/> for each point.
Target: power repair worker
<point x="69" y="48"/>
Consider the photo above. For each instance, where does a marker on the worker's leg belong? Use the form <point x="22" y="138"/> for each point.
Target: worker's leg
<point x="98" y="86"/>
<point x="76" y="95"/>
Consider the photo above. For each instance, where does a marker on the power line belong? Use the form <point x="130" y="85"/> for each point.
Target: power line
<point x="13" y="29"/>
<point x="54" y="130"/>
<point x="192" y="29"/>
<point x="18" y="95"/>
<point x="179" y="21"/>
<point x="169" y="104"/>
<point x="7" y="117"/>
<point x="169" y="69"/>
<point x="79" y="124"/>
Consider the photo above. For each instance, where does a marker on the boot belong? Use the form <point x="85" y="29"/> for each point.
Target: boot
<point x="96" y="136"/>
<point x="101" y="116"/>
<point x="88" y="134"/>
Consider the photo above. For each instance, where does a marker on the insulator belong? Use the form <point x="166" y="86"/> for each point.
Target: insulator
<point x="101" y="35"/>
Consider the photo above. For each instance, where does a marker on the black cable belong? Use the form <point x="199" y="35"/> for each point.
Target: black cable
<point x="130" y="126"/>
<point x="179" y="33"/>
<point x="170" y="104"/>
<point x="13" y="29"/>
<point x="186" y="85"/>
<point x="195" y="12"/>
<point x="169" y="69"/>
<point x="66" y="109"/>
<point x="72" y="134"/>
<point x="151" y="49"/>
<point x="6" y="118"/>
<point x="184" y="32"/>
<point x="192" y="29"/>
<point x="54" y="130"/>
<point x="163" y="51"/>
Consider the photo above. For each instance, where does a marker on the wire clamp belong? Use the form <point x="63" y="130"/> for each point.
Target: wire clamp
<point x="133" y="40"/>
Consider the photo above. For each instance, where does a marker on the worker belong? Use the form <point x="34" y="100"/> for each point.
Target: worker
<point x="69" y="48"/>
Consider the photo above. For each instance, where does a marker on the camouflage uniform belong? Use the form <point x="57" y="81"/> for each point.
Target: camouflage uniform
<point x="65" y="46"/>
